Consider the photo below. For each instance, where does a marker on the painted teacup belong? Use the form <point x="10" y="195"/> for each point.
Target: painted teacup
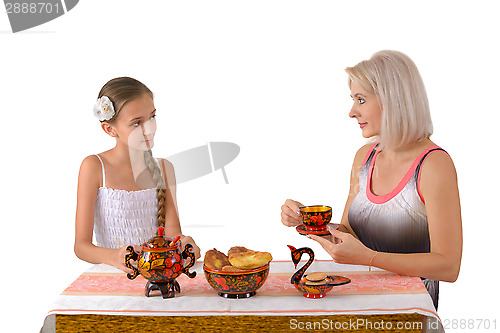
<point x="316" y="217"/>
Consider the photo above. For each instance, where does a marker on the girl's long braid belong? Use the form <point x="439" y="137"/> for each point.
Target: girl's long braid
<point x="160" y="184"/>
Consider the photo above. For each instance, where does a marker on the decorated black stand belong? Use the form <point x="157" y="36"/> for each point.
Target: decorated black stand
<point x="167" y="288"/>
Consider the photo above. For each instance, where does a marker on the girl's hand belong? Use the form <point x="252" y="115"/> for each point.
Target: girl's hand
<point x="118" y="259"/>
<point x="188" y="240"/>
<point x="290" y="215"/>
<point x="348" y="249"/>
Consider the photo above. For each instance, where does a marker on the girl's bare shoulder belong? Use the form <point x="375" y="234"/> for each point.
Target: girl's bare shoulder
<point x="166" y="163"/>
<point x="90" y="170"/>
<point x="93" y="162"/>
<point x="168" y="170"/>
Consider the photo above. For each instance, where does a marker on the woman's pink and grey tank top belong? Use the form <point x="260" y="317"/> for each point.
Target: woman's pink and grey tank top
<point x="395" y="222"/>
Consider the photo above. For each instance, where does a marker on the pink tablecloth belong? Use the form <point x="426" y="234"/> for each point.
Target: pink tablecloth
<point x="107" y="291"/>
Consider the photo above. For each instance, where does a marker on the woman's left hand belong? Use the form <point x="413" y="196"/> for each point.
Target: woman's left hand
<point x="346" y="250"/>
<point x="189" y="240"/>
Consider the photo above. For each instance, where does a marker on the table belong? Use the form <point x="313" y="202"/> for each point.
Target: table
<point x="377" y="301"/>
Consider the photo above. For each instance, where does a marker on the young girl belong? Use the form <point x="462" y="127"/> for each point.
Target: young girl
<point x="124" y="193"/>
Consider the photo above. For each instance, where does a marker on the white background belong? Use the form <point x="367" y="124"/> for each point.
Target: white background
<point x="266" y="75"/>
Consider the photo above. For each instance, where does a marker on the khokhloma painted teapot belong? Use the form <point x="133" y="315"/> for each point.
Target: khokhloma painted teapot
<point x="161" y="262"/>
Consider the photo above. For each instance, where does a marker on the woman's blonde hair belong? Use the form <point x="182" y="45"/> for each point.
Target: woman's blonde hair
<point x="120" y="91"/>
<point x="393" y="77"/>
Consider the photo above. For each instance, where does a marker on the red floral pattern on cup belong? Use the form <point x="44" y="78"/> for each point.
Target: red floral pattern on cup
<point x="316" y="217"/>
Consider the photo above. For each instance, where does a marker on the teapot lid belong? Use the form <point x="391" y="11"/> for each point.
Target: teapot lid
<point x="159" y="241"/>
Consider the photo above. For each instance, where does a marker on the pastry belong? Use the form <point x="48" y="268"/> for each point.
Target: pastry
<point x="240" y="258"/>
<point x="316" y="276"/>
<point x="215" y="260"/>
<point x="230" y="268"/>
<point x="250" y="259"/>
<point x="316" y="279"/>
<point x="237" y="249"/>
<point x="316" y="283"/>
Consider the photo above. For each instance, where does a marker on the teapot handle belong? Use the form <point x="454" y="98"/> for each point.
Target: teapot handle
<point x="131" y="256"/>
<point x="185" y="254"/>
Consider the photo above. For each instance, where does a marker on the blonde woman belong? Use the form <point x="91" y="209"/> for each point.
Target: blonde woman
<point x="124" y="193"/>
<point x="403" y="209"/>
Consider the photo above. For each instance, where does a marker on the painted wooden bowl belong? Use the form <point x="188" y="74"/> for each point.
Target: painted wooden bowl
<point x="241" y="284"/>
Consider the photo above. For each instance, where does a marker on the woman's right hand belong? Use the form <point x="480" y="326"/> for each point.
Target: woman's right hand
<point x="290" y="215"/>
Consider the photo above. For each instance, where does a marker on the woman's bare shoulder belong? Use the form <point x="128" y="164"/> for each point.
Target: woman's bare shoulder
<point x="361" y="154"/>
<point x="438" y="165"/>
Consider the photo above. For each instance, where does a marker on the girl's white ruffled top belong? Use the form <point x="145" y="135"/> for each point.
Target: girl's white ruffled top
<point x="124" y="217"/>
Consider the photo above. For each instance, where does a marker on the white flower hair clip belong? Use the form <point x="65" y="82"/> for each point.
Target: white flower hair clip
<point x="104" y="109"/>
